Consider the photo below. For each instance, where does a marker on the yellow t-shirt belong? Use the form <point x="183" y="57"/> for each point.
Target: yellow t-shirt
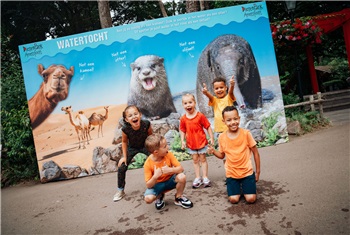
<point x="218" y="106"/>
<point x="238" y="154"/>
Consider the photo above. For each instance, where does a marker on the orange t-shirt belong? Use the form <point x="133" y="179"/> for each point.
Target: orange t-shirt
<point x="168" y="159"/>
<point x="238" y="153"/>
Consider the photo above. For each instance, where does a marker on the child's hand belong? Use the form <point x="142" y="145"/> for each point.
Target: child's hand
<point x="205" y="90"/>
<point x="121" y="161"/>
<point x="166" y="169"/>
<point x="232" y="81"/>
<point x="210" y="149"/>
<point x="157" y="172"/>
<point x="183" y="145"/>
<point x="257" y="175"/>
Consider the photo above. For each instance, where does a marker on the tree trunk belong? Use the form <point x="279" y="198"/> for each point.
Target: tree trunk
<point x="201" y="3"/>
<point x="104" y="13"/>
<point x="191" y="6"/>
<point x="162" y="8"/>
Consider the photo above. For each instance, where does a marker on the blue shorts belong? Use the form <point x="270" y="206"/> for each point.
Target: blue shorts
<point x="247" y="184"/>
<point x="162" y="186"/>
<point x="197" y="151"/>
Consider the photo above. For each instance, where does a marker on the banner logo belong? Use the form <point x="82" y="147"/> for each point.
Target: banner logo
<point x="34" y="50"/>
<point x="254" y="10"/>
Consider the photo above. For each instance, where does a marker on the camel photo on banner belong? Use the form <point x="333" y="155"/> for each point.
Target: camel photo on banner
<point x="77" y="86"/>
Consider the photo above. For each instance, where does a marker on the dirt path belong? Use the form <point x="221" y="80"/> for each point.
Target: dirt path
<point x="304" y="189"/>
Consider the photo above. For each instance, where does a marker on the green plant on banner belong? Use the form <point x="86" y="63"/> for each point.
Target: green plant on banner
<point x="138" y="162"/>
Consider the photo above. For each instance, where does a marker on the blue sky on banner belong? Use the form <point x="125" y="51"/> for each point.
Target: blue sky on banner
<point x="102" y="58"/>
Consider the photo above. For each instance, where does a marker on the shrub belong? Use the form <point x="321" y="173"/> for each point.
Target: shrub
<point x="271" y="134"/>
<point x="18" y="159"/>
<point x="308" y="120"/>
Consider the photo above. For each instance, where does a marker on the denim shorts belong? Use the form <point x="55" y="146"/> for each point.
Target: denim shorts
<point x="161" y="187"/>
<point x="197" y="151"/>
<point x="247" y="184"/>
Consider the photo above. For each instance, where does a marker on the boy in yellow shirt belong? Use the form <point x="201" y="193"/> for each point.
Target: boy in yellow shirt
<point x="221" y="99"/>
<point x="237" y="145"/>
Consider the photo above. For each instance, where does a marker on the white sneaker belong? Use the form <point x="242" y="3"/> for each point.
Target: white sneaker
<point x="206" y="182"/>
<point x="119" y="195"/>
<point x="197" y="182"/>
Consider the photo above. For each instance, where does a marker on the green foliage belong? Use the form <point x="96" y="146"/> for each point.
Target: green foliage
<point x="340" y="72"/>
<point x="291" y="98"/>
<point x="175" y="146"/>
<point x="337" y="79"/>
<point x="308" y="120"/>
<point x="139" y="160"/>
<point x="18" y="160"/>
<point x="182" y="156"/>
<point x="57" y="18"/>
<point x="270" y="133"/>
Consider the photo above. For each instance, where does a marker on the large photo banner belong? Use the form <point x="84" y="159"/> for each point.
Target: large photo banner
<point x="78" y="86"/>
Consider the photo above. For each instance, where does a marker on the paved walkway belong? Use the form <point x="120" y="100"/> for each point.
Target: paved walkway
<point x="304" y="189"/>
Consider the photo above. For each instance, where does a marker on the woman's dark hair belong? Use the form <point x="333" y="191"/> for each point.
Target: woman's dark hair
<point x="228" y="109"/>
<point x="124" y="112"/>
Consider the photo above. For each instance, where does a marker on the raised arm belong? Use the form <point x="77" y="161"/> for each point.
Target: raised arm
<point x="207" y="93"/>
<point x="231" y="88"/>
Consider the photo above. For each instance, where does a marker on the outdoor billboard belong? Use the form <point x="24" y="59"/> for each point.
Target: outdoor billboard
<point x="92" y="73"/>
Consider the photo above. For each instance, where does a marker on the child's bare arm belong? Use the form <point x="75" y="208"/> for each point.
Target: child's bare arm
<point x="125" y="141"/>
<point x="216" y="153"/>
<point x="257" y="162"/>
<point x="150" y="130"/>
<point x="172" y="170"/>
<point x="211" y="136"/>
<point x="157" y="173"/>
<point x="183" y="144"/>
<point x="230" y="90"/>
<point x="207" y="93"/>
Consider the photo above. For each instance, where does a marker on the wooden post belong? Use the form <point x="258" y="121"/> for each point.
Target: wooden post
<point x="311" y="98"/>
<point x="320" y="104"/>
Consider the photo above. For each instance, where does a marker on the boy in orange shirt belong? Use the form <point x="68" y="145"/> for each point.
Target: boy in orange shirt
<point x="163" y="172"/>
<point x="237" y="145"/>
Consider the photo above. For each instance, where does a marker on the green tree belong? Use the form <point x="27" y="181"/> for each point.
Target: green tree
<point x="18" y="160"/>
<point x="31" y="21"/>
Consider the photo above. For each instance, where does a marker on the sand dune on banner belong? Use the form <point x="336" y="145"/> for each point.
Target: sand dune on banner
<point x="56" y="139"/>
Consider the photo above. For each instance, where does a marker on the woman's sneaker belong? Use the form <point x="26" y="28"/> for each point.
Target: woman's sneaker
<point x="206" y="182"/>
<point x="160" y="204"/>
<point x="183" y="201"/>
<point x="197" y="182"/>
